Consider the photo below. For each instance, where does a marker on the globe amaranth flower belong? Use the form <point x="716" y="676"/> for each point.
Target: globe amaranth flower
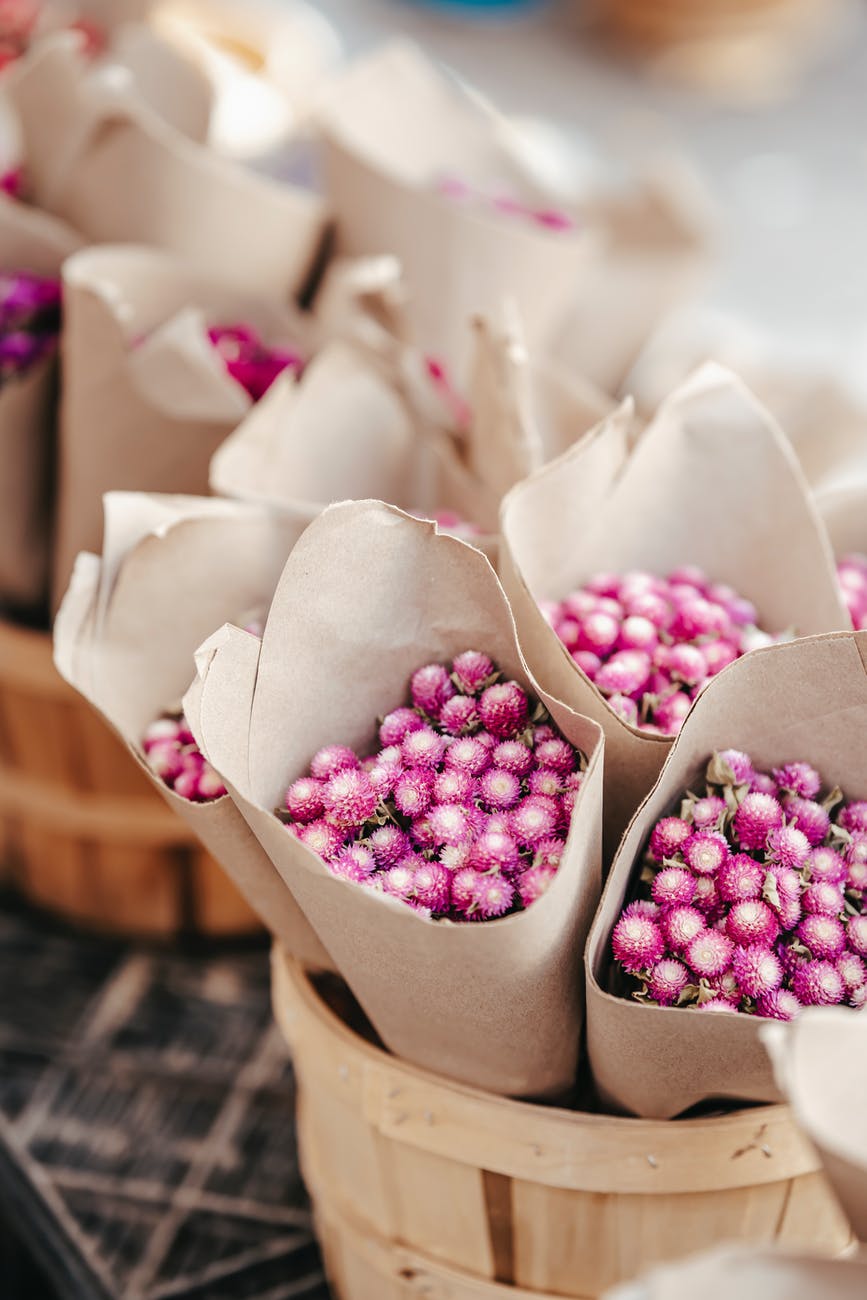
<point x="757" y="970"/>
<point x="809" y="817"/>
<point x="459" y="715"/>
<point x="818" y="984"/>
<point x="430" y="687"/>
<point x="666" y="980"/>
<point x="752" y="922"/>
<point x="397" y="725"/>
<point x="637" y="943"/>
<point x="472" y="671"/>
<point x="823" y="935"/>
<point x="413" y="792"/>
<point x="534" y="882"/>
<point x="423" y="748"/>
<point x="349" y="797"/>
<point x="781" y="1004"/>
<point x="470" y="754"/>
<point x="673" y="887"/>
<point x="332" y="759"/>
<point x="740" y="878"/>
<point x="798" y="779"/>
<point x="503" y="709"/>
<point x="788" y="846"/>
<point x="709" y="954"/>
<point x="755" y="820"/>
<point x="669" y="835"/>
<point x="389" y="845"/>
<point x="499" y="788"/>
<point x="536" y="818"/>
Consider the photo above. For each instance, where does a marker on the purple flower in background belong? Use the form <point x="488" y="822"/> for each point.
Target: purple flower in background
<point x="249" y="360"/>
<point x="29" y="321"/>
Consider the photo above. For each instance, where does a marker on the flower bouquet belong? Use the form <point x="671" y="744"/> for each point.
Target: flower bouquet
<point x="125" y="636"/>
<point x="32" y="247"/>
<point x="737" y="893"/>
<point x="587" y="549"/>
<point x="160" y="364"/>
<point x="419" y="168"/>
<point x="434" y="812"/>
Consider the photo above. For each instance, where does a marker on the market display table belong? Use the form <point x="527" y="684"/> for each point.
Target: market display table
<point x="147" y="1142"/>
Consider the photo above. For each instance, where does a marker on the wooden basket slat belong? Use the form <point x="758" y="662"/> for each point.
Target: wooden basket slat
<point x="576" y="1233"/>
<point x="82" y="831"/>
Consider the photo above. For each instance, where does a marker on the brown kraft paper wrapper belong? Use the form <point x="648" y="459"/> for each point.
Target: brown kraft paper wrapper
<point x="750" y="1274"/>
<point x="395" y="127"/>
<point x="844" y="513"/>
<point x="712" y="481"/>
<point x="806" y="700"/>
<point x="369" y="595"/>
<point x="29" y="241"/>
<point x="173" y="569"/>
<point x="97" y="155"/>
<point x="820" y="1063"/>
<point x="146" y="398"/>
<point x="347" y="429"/>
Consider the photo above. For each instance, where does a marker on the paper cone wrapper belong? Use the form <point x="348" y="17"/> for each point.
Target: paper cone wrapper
<point x="368" y="596"/>
<point x="393" y="129"/>
<point x="146" y="398"/>
<point x="345" y="430"/>
<point x="98" y="156"/>
<point x="29" y="241"/>
<point x="750" y="1274"/>
<point x="806" y="700"/>
<point x="713" y="482"/>
<point x="820" y="1062"/>
<point x="844" y="513"/>
<point x="172" y="570"/>
<point x="525" y="410"/>
<point x="825" y="422"/>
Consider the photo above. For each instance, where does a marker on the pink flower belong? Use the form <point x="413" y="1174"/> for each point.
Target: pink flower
<point x="752" y="922"/>
<point x="459" y="715"/>
<point x="469" y="754"/>
<point x="354" y="862"/>
<point x="430" y="687"/>
<point x="858" y="997"/>
<point x="397" y="725"/>
<point x="332" y="759"/>
<point x="757" y="970"/>
<point x="399" y="881"/>
<point x="625" y="708"/>
<point x="493" y="896"/>
<point x="412" y="792"/>
<point x="799" y="779"/>
<point x="349" y="797"/>
<point x="818" y="984"/>
<point x="423" y="748"/>
<point x="707" y="896"/>
<point x="853" y="817"/>
<point x="210" y="784"/>
<point x="788" y="846"/>
<point x="588" y="662"/>
<point x="549" y="852"/>
<point x="718" y="655"/>
<point x="705" y="854"/>
<point x="389" y="845"/>
<point x="449" y="824"/>
<point x="809" y="817"/>
<point x="495" y="851"/>
<point x="625" y="673"/>
<point x="161" y="731"/>
<point x="164" y="759"/>
<point x="823" y="935"/>
<point x="556" y="753"/>
<point x="499" y="788"/>
<point x="545" y="781"/>
<point x="739" y="764"/>
<point x="514" y="756"/>
<point x="432" y="886"/>
<point x="637" y="943"/>
<point x="856" y="934"/>
<point x="599" y="633"/>
<point x="763" y="784"/>
<point x="852" y="970"/>
<point x="755" y="819"/>
<point x="670" y="714"/>
<point x="304" y="800"/>
<point x="686" y="663"/>
<point x="856" y="876"/>
<point x="503" y="709"/>
<point x="716" y="1005"/>
<point x="454" y="857"/>
<point x="454" y="785"/>
<point x="534" y="819"/>
<point x="669" y="835"/>
<point x="638" y="633"/>
<point x="726" y="986"/>
<point x="825" y="864"/>
<point x="673" y="887"/>
<point x="778" y="1005"/>
<point x="707" y="813"/>
<point x="740" y="878"/>
<point x="680" y="926"/>
<point x="667" y="980"/>
<point x="823" y="898"/>
<point x="322" y="838"/>
<point x="709" y="954"/>
<point x="642" y="907"/>
<point x="472" y="671"/>
<point x="464" y="884"/>
<point x="534" y="882"/>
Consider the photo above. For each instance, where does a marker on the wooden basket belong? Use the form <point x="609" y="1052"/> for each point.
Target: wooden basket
<point x="484" y="1197"/>
<point x="82" y="832"/>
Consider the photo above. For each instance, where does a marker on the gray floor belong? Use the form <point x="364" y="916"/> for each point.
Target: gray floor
<point x="789" y="178"/>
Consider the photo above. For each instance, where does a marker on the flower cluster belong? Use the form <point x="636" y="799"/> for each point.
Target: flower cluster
<point x="752" y="897"/>
<point x="29" y="321"/>
<point x="852" y="576"/>
<point x="555" y="219"/>
<point x="172" y="753"/>
<point x="22" y="20"/>
<point x="249" y="360"/>
<point x="650" y="644"/>
<point x="462" y="812"/>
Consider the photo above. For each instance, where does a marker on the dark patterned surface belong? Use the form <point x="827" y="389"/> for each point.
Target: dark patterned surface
<point x="147" y="1145"/>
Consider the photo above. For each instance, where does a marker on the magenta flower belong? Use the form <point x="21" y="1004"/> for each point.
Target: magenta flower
<point x="739" y="764"/>
<point x="823" y="898"/>
<point x="740" y="878"/>
<point x="349" y="797"/>
<point x="355" y="862"/>
<point x="810" y="818"/>
<point x="536" y="818"/>
<point x="798" y="779"/>
<point x="707" y="895"/>
<point x="818" y="984"/>
<point x="397" y="725"/>
<point x="413" y="792"/>
<point x="459" y="715"/>
<point x="852" y="970"/>
<point x="789" y="847"/>
<point x="853" y="816"/>
<point x="757" y="969"/>
<point x="779" y="1005"/>
<point x="856" y="934"/>
<point x="430" y="687"/>
<point x="669" y="835"/>
<point x="423" y="748"/>
<point x="470" y="754"/>
<point x="389" y="845"/>
<point x="825" y="863"/>
<point x="322" y="837"/>
<point x="673" y="887"/>
<point x="534" y="882"/>
<point x="332" y="759"/>
<point x="707" y="813"/>
<point x="637" y="943"/>
<point x="399" y="881"/>
<point x="555" y="753"/>
<point x="709" y="954"/>
<point x="493" y="896"/>
<point x="249" y="360"/>
<point x="755" y="819"/>
<point x="667" y="980"/>
<point x="705" y="854"/>
<point x="472" y="671"/>
<point x="752" y="922"/>
<point x="503" y="709"/>
<point x="453" y="785"/>
<point x="432" y="886"/>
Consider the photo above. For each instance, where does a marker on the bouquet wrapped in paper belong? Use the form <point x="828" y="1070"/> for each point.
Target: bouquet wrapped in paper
<point x="820" y="1062"/>
<point x="752" y="1274"/>
<point x="347" y="724"/>
<point x="424" y="169"/>
<point x="160" y="363"/>
<point x="32" y="249"/>
<point x="638" y="568"/>
<point x="737" y="895"/>
<point x="95" y="153"/>
<point x="125" y="637"/>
